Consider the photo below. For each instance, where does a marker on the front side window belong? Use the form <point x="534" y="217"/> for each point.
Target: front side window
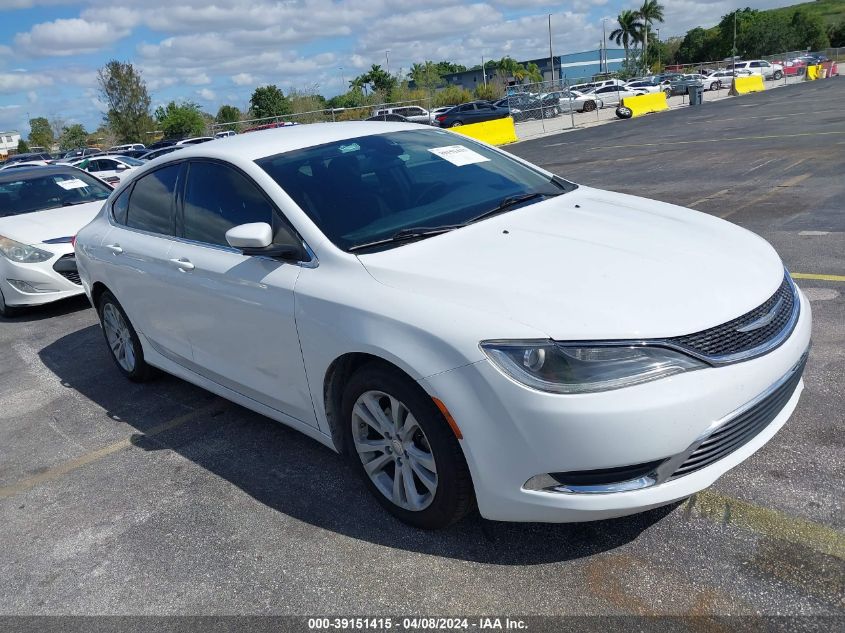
<point x="151" y="202"/>
<point x="218" y="198"/>
<point x="370" y="188"/>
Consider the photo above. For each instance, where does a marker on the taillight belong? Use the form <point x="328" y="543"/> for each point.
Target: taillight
<point x="73" y="241"/>
<point x="441" y="118"/>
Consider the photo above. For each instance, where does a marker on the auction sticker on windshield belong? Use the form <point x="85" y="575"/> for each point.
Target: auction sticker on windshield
<point x="458" y="155"/>
<point x="73" y="183"/>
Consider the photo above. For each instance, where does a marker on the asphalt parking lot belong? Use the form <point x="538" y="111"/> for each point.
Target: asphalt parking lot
<point x="117" y="498"/>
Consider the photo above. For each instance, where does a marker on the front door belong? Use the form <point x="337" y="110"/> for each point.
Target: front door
<point x="238" y="311"/>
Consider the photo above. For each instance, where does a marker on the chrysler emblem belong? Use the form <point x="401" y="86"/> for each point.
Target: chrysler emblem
<point x="764" y="320"/>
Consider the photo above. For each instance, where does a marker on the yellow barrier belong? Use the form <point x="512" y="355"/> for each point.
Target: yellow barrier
<point x="644" y="104"/>
<point x="744" y="85"/>
<point x="814" y="72"/>
<point x="496" y="132"/>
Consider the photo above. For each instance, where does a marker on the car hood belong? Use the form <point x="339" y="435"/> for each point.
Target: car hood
<point x="591" y="264"/>
<point x="40" y="226"/>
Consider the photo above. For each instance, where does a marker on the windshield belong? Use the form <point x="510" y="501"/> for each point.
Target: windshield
<point x="36" y="191"/>
<point x="132" y="162"/>
<point x="366" y="189"/>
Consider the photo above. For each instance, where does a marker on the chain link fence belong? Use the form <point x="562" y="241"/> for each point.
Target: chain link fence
<point x="543" y="107"/>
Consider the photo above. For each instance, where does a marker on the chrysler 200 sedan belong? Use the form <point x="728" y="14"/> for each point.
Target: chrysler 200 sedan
<point x="468" y="328"/>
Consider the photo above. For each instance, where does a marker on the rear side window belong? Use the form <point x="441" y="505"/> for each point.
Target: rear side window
<point x="216" y="199"/>
<point x="151" y="202"/>
<point x="121" y="206"/>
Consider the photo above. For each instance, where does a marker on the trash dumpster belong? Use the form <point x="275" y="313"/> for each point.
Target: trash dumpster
<point x="696" y="94"/>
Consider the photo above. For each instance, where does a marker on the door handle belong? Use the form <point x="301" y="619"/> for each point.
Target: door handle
<point x="182" y="263"/>
<point x="114" y="248"/>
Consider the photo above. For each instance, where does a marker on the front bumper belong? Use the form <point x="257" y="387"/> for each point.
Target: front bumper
<point x="36" y="284"/>
<point x="513" y="434"/>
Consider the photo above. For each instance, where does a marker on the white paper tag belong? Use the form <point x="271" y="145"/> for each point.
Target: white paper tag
<point x="458" y="155"/>
<point x="73" y="183"/>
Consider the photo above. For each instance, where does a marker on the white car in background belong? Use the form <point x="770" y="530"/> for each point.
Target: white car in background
<point x="41" y="209"/>
<point x="112" y="169"/>
<point x="761" y="67"/>
<point x="612" y="95"/>
<point x="128" y="147"/>
<point x="649" y="85"/>
<point x="424" y="328"/>
<point x="726" y="75"/>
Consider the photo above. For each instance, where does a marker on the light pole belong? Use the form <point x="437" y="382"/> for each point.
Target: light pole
<point x="603" y="45"/>
<point x="483" y="71"/>
<point x="658" y="50"/>
<point x="342" y="79"/>
<point x="551" y="56"/>
<point x="387" y="59"/>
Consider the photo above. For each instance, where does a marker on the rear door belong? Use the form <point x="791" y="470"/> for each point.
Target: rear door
<point x="138" y="269"/>
<point x="237" y="310"/>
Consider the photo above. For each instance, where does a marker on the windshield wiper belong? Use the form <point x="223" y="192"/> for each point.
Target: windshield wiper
<point x="511" y="201"/>
<point x="405" y="235"/>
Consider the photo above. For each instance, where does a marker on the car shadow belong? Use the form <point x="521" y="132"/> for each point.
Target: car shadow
<point x="297" y="476"/>
<point x="49" y="310"/>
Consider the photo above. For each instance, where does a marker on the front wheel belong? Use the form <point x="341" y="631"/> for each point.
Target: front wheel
<point x="778" y="75"/>
<point x="716" y="85"/>
<point x="400" y="443"/>
<point x="123" y="342"/>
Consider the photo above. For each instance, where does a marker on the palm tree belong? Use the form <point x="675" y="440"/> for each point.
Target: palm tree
<point x="629" y="31"/>
<point x="650" y="12"/>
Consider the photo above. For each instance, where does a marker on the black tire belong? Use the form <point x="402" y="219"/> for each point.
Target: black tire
<point x="716" y="85"/>
<point x="141" y="371"/>
<point x="456" y="124"/>
<point x="589" y="106"/>
<point x="549" y="113"/>
<point x="778" y="75"/>
<point x="453" y="496"/>
<point x="624" y="113"/>
<point x="6" y="310"/>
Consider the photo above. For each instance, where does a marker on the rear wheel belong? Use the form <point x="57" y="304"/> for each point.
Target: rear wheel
<point x="716" y="85"/>
<point x="589" y="106"/>
<point x="400" y="443"/>
<point x="778" y="75"/>
<point x="123" y="342"/>
<point x="456" y="124"/>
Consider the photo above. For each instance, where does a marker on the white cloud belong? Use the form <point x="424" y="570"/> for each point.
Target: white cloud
<point x="243" y="79"/>
<point x="65" y="37"/>
<point x="198" y="80"/>
<point x="206" y="94"/>
<point x="11" y="83"/>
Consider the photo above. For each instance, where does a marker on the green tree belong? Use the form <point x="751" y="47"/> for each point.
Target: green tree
<point x="228" y="115"/>
<point x="445" y="68"/>
<point x="836" y="33"/>
<point x="650" y="12"/>
<point x="628" y="32"/>
<point x="380" y="80"/>
<point x="743" y="18"/>
<point x="808" y="31"/>
<point x="426" y="76"/>
<point x="180" y="120"/>
<point x="23" y="148"/>
<point x="73" y="136"/>
<point x="269" y="101"/>
<point x="766" y="33"/>
<point x="124" y="92"/>
<point x="40" y="133"/>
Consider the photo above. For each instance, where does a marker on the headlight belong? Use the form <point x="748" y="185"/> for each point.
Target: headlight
<point x="571" y="368"/>
<point x="22" y="253"/>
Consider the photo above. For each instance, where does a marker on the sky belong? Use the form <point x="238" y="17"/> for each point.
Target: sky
<point x="216" y="52"/>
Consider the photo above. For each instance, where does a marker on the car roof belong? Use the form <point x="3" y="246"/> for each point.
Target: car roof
<point x="9" y="175"/>
<point x="263" y="143"/>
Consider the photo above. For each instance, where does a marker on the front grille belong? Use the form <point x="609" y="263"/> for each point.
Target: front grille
<point x="736" y="432"/>
<point x="726" y="340"/>
<point x="66" y="267"/>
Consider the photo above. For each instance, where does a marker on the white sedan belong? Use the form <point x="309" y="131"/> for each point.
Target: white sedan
<point x="466" y="327"/>
<point x="111" y="168"/>
<point x="613" y="95"/>
<point x="41" y="209"/>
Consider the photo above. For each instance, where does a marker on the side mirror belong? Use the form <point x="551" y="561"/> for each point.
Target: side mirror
<point x="121" y="167"/>
<point x="256" y="238"/>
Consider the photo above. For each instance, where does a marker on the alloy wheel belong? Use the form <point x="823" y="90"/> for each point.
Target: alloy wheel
<point x="118" y="337"/>
<point x="394" y="450"/>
